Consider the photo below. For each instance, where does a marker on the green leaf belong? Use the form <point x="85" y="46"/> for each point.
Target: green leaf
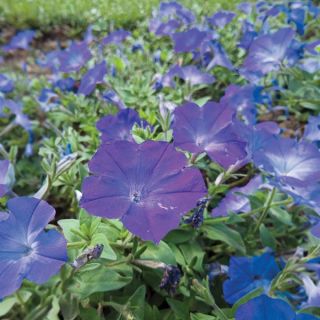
<point x="101" y="279"/>
<point x="281" y="215"/>
<point x="67" y="225"/>
<point x="160" y="252"/>
<point x="6" y="305"/>
<point x="225" y="234"/>
<point x="180" y="309"/>
<point x="202" y="316"/>
<point x="53" y="314"/>
<point x="69" y="306"/>
<point x="267" y="238"/>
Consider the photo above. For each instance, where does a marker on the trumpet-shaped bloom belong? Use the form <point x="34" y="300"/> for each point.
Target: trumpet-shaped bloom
<point x="266" y="308"/>
<point x="27" y="251"/>
<point x="147" y="186"/>
<point x="209" y="129"/>
<point x="74" y="58"/>
<point x="290" y="162"/>
<point x="249" y="273"/>
<point x="221" y="18"/>
<point x="118" y="127"/>
<point x="20" y="41"/>
<point x="188" y="41"/>
<point x="92" y="77"/>
<point x="268" y="52"/>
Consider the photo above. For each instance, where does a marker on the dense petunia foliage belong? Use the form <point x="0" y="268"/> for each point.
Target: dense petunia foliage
<point x="165" y="169"/>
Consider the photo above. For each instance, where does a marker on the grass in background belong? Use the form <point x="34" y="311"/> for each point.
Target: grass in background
<point x="45" y="14"/>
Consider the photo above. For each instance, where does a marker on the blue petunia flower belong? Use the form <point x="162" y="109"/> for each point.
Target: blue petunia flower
<point x="188" y="41"/>
<point x="221" y="18"/>
<point x="247" y="274"/>
<point x="6" y="84"/>
<point x="20" y="41"/>
<point x="6" y="177"/>
<point x="27" y="251"/>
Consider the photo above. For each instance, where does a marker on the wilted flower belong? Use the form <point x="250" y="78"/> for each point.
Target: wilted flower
<point x="92" y="77"/>
<point x="249" y="273"/>
<point x="88" y="255"/>
<point x="27" y="251"/>
<point x="147" y="186"/>
<point x="208" y="129"/>
<point x="170" y="279"/>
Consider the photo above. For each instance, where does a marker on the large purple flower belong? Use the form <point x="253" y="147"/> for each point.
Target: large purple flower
<point x="210" y="129"/>
<point x="290" y="162"/>
<point x="188" y="41"/>
<point x="118" y="127"/>
<point x="92" y="77"/>
<point x="248" y="273"/>
<point x="115" y="37"/>
<point x="6" y="84"/>
<point x="27" y="251"/>
<point x="147" y="186"/>
<point x="4" y="174"/>
<point x="74" y="58"/>
<point x="268" y="51"/>
<point x="221" y="18"/>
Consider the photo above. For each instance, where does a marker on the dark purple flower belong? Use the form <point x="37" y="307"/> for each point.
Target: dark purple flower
<point x="4" y="177"/>
<point x="27" y="251"/>
<point x="297" y="16"/>
<point x="221" y="19"/>
<point x="247" y="274"/>
<point x="196" y="219"/>
<point x="188" y="41"/>
<point x="92" y="77"/>
<point x="20" y="41"/>
<point x="119" y="126"/>
<point x="147" y="186"/>
<point x="74" y="58"/>
<point x="265" y="308"/>
<point x="209" y="129"/>
<point x="268" y="51"/>
<point x="170" y="279"/>
<point x="65" y="84"/>
<point x="290" y="162"/>
<point x="236" y="200"/>
<point x="115" y="37"/>
<point x="112" y="97"/>
<point x="6" y="84"/>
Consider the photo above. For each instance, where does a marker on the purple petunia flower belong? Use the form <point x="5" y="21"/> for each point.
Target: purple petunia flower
<point x="188" y="41"/>
<point x="27" y="251"/>
<point x="236" y="199"/>
<point x="268" y="51"/>
<point x="6" y="84"/>
<point x="245" y="7"/>
<point x="48" y="99"/>
<point x="119" y="126"/>
<point x="74" y="58"/>
<point x="115" y="37"/>
<point x="209" y="129"/>
<point x="192" y="75"/>
<point x="51" y="60"/>
<point x="312" y="129"/>
<point x="220" y="57"/>
<point x="92" y="77"/>
<point x="289" y="162"/>
<point x="248" y="35"/>
<point x="65" y="84"/>
<point x="147" y="186"/>
<point x="221" y="19"/>
<point x="20" y="41"/>
<point x="113" y="98"/>
<point x="266" y="308"/>
<point x="313" y="293"/>
<point x="5" y="173"/>
<point x="249" y="273"/>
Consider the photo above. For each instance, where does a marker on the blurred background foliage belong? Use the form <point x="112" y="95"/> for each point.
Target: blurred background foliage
<point x="45" y="14"/>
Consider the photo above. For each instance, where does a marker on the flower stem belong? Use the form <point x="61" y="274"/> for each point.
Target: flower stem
<point x="265" y="209"/>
